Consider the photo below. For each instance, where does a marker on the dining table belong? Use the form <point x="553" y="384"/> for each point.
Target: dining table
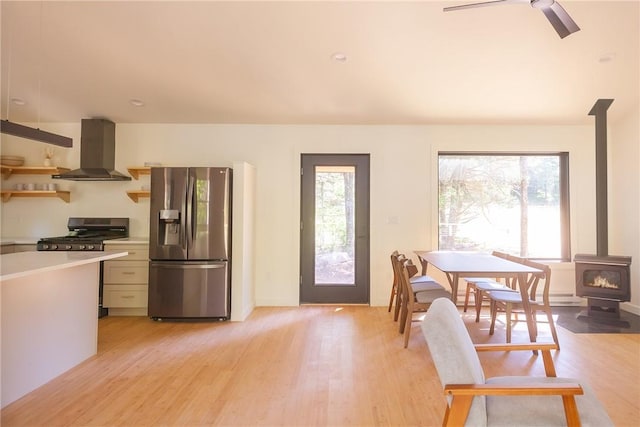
<point x="460" y="264"/>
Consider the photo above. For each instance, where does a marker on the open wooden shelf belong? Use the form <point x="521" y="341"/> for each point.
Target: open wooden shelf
<point x="8" y="194"/>
<point x="137" y="194"/>
<point x="137" y="171"/>
<point x="7" y="171"/>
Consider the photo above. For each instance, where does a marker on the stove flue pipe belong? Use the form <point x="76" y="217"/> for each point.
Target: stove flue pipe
<point x="599" y="110"/>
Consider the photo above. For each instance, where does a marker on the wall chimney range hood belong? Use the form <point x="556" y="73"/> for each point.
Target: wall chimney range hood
<point x="97" y="153"/>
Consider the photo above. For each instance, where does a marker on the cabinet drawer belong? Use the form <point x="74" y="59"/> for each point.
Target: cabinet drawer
<point x="136" y="252"/>
<point x="116" y="296"/>
<point x="126" y="272"/>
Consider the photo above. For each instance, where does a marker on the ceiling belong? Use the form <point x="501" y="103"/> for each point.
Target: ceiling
<point x="271" y="62"/>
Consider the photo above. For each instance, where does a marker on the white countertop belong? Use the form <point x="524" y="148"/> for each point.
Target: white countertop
<point x="26" y="263"/>
<point x="128" y="240"/>
<point x="18" y="240"/>
<point x="33" y="240"/>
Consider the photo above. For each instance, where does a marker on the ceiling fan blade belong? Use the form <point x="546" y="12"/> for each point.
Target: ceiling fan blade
<point x="560" y="19"/>
<point x="474" y="5"/>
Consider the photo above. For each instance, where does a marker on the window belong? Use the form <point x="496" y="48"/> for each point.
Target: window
<point x="516" y="203"/>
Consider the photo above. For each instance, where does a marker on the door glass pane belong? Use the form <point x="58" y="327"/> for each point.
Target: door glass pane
<point x="335" y="219"/>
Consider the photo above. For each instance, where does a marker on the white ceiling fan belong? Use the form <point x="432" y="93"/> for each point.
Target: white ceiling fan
<point x="559" y="18"/>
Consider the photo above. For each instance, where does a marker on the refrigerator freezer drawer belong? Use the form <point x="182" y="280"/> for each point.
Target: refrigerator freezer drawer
<point x="189" y="290"/>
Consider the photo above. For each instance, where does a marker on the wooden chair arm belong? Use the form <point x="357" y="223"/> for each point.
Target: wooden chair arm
<point x="463" y="394"/>
<point x="516" y="346"/>
<point x="545" y="348"/>
<point x="566" y="389"/>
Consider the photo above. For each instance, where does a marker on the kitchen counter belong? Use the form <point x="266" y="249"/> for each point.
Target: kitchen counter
<point x="33" y="240"/>
<point x="18" y="241"/>
<point x="22" y="264"/>
<point x="49" y="316"/>
<point x="128" y="241"/>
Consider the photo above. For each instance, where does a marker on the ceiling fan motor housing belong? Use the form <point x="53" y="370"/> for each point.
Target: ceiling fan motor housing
<point x="540" y="4"/>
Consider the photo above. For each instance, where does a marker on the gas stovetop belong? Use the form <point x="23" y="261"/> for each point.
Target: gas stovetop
<point x="86" y="234"/>
<point x="68" y="243"/>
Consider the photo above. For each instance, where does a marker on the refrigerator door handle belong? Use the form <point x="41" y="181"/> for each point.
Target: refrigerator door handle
<point x="191" y="211"/>
<point x="183" y="266"/>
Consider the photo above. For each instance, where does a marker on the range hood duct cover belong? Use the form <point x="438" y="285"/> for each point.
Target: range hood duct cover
<point x="97" y="153"/>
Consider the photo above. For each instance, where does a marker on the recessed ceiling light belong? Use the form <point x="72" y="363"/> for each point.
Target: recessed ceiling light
<point x="136" y="102"/>
<point x="18" y="101"/>
<point x="339" y="57"/>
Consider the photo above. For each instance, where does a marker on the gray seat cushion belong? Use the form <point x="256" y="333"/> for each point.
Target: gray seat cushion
<point x="542" y="410"/>
<point x="506" y="296"/>
<point x="493" y="286"/>
<point x="427" y="297"/>
<point x="426" y="286"/>
<point x="420" y="279"/>
<point x="478" y="279"/>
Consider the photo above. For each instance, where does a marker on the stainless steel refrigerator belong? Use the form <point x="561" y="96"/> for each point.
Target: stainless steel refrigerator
<point x="190" y="243"/>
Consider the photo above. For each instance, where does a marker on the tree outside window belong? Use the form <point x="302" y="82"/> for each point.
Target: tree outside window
<point x="514" y="203"/>
<point x="335" y="225"/>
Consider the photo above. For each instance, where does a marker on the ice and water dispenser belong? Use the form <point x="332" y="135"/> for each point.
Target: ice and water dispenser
<point x="169" y="229"/>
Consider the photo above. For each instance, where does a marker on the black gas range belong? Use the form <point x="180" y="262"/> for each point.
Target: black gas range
<point x="86" y="234"/>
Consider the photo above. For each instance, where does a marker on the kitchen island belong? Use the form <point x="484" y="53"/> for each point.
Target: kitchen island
<point x="49" y="318"/>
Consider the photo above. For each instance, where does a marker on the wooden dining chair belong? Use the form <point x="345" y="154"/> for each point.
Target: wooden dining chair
<point x="412" y="301"/>
<point x="396" y="280"/>
<point x="481" y="286"/>
<point x="419" y="282"/>
<point x="511" y="302"/>
<point x="473" y="400"/>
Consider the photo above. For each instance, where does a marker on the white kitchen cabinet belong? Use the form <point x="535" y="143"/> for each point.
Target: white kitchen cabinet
<point x="126" y="281"/>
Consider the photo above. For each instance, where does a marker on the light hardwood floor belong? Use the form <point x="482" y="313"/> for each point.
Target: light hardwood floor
<point x="313" y="365"/>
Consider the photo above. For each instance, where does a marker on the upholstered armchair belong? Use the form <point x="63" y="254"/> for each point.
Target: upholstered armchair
<point x="473" y="400"/>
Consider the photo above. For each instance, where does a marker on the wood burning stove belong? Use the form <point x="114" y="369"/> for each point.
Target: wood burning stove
<point x="604" y="281"/>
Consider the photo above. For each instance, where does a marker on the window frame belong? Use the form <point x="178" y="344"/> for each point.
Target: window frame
<point x="563" y="187"/>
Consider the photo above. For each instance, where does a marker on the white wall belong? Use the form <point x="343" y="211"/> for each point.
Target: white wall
<point x="624" y="196"/>
<point x="403" y="184"/>
<point x="243" y="254"/>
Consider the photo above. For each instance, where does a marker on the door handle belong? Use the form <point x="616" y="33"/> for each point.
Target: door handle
<point x="181" y="266"/>
<point x="191" y="208"/>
